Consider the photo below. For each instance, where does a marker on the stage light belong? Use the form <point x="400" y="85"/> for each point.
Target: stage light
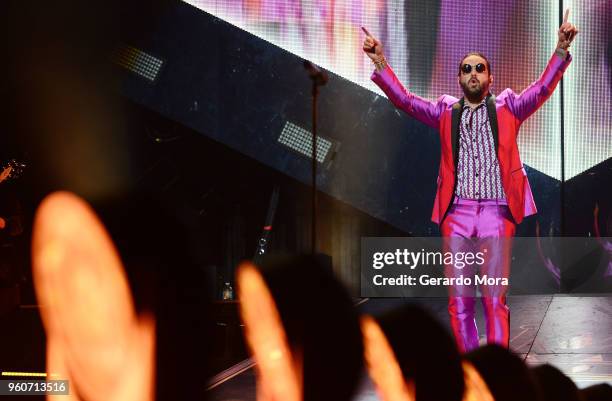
<point x="137" y="61"/>
<point x="300" y="140"/>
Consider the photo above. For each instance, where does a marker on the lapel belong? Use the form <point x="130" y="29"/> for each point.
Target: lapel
<point x="455" y="120"/>
<point x="493" y="120"/>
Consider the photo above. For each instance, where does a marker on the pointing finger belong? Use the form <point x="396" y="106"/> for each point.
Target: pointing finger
<point x="366" y="31"/>
<point x="566" y="15"/>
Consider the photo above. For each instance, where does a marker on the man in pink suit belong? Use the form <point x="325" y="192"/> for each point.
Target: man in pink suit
<point x="483" y="191"/>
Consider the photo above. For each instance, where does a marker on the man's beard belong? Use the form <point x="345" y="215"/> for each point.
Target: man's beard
<point x="474" y="92"/>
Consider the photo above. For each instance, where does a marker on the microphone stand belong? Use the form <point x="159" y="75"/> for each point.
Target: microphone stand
<point x="319" y="78"/>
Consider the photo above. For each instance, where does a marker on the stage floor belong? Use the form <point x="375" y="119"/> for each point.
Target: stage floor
<point x="570" y="332"/>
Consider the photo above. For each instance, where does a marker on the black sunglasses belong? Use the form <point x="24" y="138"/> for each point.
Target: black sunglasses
<point x="466" y="68"/>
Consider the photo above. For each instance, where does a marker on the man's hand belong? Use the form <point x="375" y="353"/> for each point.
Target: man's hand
<point x="567" y="33"/>
<point x="372" y="46"/>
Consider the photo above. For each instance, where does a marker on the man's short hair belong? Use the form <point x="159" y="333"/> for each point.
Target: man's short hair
<point x="475" y="54"/>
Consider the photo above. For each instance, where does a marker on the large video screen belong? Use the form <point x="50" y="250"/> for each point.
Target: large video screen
<point x="588" y="88"/>
<point x="424" y="41"/>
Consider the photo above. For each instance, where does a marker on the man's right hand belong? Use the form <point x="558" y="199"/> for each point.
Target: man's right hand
<point x="372" y="46"/>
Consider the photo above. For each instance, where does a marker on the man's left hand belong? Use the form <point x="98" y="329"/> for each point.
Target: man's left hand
<point x="567" y="33"/>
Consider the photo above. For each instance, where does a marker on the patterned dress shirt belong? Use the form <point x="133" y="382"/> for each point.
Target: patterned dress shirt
<point x="478" y="168"/>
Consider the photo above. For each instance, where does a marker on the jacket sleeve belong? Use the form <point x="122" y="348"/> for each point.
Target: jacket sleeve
<point x="425" y="111"/>
<point x="534" y="96"/>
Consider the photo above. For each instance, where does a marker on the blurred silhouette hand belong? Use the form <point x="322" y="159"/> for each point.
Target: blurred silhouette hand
<point x="382" y="364"/>
<point x="94" y="337"/>
<point x="386" y="373"/>
<point x="279" y="374"/>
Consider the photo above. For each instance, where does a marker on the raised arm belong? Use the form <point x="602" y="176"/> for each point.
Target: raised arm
<point x="426" y="111"/>
<point x="529" y="100"/>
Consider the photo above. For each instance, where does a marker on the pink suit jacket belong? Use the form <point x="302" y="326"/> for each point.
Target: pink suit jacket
<point x="506" y="114"/>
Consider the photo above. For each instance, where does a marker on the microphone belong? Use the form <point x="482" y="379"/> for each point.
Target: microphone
<point x="318" y="76"/>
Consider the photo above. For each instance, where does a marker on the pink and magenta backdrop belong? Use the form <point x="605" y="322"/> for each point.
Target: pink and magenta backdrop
<point x="424" y="41"/>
